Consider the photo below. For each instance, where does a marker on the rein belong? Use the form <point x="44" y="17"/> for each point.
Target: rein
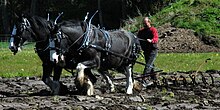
<point x="41" y="50"/>
<point x="142" y="39"/>
<point x="75" y="42"/>
<point x="85" y="40"/>
<point x="87" y="34"/>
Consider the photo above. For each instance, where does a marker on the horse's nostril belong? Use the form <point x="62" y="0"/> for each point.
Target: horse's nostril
<point x="11" y="48"/>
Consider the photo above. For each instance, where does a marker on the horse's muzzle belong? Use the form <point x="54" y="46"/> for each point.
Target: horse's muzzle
<point x="13" y="49"/>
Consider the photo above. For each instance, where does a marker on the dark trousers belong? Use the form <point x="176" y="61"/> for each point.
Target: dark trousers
<point x="150" y="57"/>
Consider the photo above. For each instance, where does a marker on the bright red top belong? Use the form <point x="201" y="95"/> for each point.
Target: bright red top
<point x="148" y="33"/>
<point x="155" y="34"/>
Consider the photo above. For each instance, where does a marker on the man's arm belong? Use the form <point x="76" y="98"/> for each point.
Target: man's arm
<point x="155" y="35"/>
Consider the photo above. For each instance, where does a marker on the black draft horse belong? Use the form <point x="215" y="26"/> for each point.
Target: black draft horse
<point x="37" y="29"/>
<point x="94" y="48"/>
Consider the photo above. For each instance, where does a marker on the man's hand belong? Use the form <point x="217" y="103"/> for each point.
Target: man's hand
<point x="149" y="40"/>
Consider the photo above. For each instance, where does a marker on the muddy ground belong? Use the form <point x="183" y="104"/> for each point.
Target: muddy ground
<point x="28" y="93"/>
<point x="173" y="39"/>
<point x="31" y="93"/>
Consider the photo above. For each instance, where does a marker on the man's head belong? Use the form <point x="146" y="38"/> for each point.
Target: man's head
<point x="146" y="22"/>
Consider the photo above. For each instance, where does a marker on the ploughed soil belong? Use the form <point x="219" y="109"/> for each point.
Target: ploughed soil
<point x="178" y="90"/>
<point x="25" y="93"/>
<point x="173" y="39"/>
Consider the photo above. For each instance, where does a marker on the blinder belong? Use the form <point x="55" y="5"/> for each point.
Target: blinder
<point x="15" y="42"/>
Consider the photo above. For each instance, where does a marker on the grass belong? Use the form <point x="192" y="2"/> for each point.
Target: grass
<point x="172" y="62"/>
<point x="27" y="63"/>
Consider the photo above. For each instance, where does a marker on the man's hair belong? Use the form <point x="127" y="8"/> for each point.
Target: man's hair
<point x="147" y="18"/>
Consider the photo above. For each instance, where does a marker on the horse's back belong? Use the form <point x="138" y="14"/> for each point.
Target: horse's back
<point x="122" y="43"/>
<point x="121" y="40"/>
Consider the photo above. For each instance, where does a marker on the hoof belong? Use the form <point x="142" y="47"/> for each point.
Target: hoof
<point x="112" y="90"/>
<point x="129" y="91"/>
<point x="90" y="88"/>
<point x="63" y="89"/>
<point x="137" y="86"/>
<point x="56" y="88"/>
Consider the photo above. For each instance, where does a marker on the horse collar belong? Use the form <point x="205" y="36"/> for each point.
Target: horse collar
<point x="87" y="38"/>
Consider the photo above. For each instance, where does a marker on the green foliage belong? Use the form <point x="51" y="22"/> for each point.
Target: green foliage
<point x="200" y="15"/>
<point x="133" y="24"/>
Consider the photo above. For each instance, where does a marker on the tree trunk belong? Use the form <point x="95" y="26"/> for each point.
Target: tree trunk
<point x="5" y="20"/>
<point x="123" y="9"/>
<point x="100" y="13"/>
<point x="33" y="7"/>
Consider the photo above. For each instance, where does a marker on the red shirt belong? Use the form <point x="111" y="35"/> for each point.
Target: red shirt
<point x="148" y="33"/>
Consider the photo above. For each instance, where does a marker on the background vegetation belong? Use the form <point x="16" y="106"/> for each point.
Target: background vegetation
<point x="202" y="16"/>
<point x="111" y="14"/>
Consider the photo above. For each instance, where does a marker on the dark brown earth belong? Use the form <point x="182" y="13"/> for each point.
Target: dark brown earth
<point x="31" y="93"/>
<point x="173" y="39"/>
<point x="28" y="93"/>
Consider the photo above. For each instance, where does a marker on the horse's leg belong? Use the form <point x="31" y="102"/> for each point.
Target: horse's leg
<point x="90" y="81"/>
<point x="107" y="77"/>
<point x="129" y="80"/>
<point x="56" y="78"/>
<point x="83" y="82"/>
<point x="47" y="70"/>
<point x="89" y="73"/>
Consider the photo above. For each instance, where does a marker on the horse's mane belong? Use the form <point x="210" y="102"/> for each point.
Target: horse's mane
<point x="74" y="22"/>
<point x="40" y="22"/>
<point x="40" y="25"/>
<point x="70" y="23"/>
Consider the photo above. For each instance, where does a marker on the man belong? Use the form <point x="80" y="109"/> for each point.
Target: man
<point x="148" y="36"/>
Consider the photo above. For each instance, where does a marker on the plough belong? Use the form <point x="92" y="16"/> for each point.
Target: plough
<point x="193" y="78"/>
<point x="177" y="80"/>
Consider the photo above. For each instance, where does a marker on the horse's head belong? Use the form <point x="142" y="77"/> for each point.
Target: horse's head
<point x="20" y="33"/>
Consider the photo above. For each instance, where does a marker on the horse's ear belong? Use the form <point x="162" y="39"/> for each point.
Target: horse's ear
<point x="84" y="26"/>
